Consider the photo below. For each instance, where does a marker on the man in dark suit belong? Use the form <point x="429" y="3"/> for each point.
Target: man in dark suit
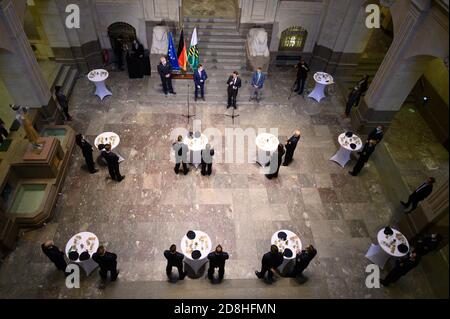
<point x="421" y="193"/>
<point x="428" y="243"/>
<point x="351" y="100"/>
<point x="275" y="162"/>
<point x="113" y="163"/>
<point x="363" y="87"/>
<point x="302" y="260"/>
<point x="302" y="76"/>
<point x="181" y="153"/>
<point x="364" y="156"/>
<point x="55" y="255"/>
<point x="87" y="150"/>
<point x="376" y="134"/>
<point x="3" y="131"/>
<point x="118" y="51"/>
<point x="200" y="77"/>
<point x="270" y="262"/>
<point x="234" y="83"/>
<point x="402" y="267"/>
<point x="217" y="260"/>
<point x="291" y="145"/>
<point x="63" y="101"/>
<point x="107" y="262"/>
<point x="207" y="159"/>
<point x="258" y="80"/>
<point x="165" y="72"/>
<point x="174" y="259"/>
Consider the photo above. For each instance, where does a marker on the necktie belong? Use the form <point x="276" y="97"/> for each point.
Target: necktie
<point x="259" y="77"/>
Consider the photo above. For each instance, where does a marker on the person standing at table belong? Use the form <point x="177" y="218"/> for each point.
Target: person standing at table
<point x="181" y="153"/>
<point x="421" y="193"/>
<point x="107" y="262"/>
<point x="364" y="156"/>
<point x="270" y="262"/>
<point x="118" y="51"/>
<point x="258" y="80"/>
<point x="63" y="101"/>
<point x="302" y="76"/>
<point x="234" y="83"/>
<point x="200" y="77"/>
<point x="302" y="260"/>
<point x="3" y="131"/>
<point x="291" y="145"/>
<point x="112" y="159"/>
<point x="275" y="162"/>
<point x="174" y="259"/>
<point x="363" y="87"/>
<point x="87" y="151"/>
<point x="376" y="134"/>
<point x="217" y="260"/>
<point x="165" y="72"/>
<point x="55" y="255"/>
<point x="427" y="244"/>
<point x="402" y="267"/>
<point x="351" y="100"/>
<point x="207" y="159"/>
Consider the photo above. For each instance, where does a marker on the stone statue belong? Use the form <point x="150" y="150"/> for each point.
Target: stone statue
<point x="160" y="43"/>
<point x="257" y="42"/>
<point x="22" y="117"/>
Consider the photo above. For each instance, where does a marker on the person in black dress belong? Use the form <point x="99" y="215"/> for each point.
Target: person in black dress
<point x="165" y="72"/>
<point x="55" y="255"/>
<point x="275" y="162"/>
<point x="87" y="151"/>
<point x="3" y="131"/>
<point x="364" y="156"/>
<point x="302" y="76"/>
<point x="181" y="154"/>
<point x="302" y="260"/>
<point x="113" y="163"/>
<point x="217" y="260"/>
<point x="291" y="145"/>
<point x="207" y="159"/>
<point x="63" y="101"/>
<point x="174" y="259"/>
<point x="421" y="193"/>
<point x="270" y="262"/>
<point x="402" y="267"/>
<point x="107" y="262"/>
<point x="234" y="83"/>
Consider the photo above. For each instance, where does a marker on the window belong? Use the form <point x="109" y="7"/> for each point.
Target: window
<point x="293" y="39"/>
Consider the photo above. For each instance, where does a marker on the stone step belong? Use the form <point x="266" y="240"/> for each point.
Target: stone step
<point x="230" y="60"/>
<point x="217" y="33"/>
<point x="208" y="20"/>
<point x="223" y="53"/>
<point x="189" y="26"/>
<point x="62" y="75"/>
<point x="70" y="82"/>
<point x="226" y="46"/>
<point x="221" y="39"/>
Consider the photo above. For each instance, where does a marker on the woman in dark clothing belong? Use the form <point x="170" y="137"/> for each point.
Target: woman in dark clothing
<point x="87" y="150"/>
<point x="275" y="162"/>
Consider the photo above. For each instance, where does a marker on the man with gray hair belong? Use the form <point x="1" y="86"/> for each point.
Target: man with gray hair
<point x="55" y="255"/>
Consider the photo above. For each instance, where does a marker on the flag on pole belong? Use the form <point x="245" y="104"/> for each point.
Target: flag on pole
<point x="182" y="54"/>
<point x="172" y="54"/>
<point x="193" y="57"/>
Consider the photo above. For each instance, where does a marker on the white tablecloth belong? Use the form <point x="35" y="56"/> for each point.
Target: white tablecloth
<point x="267" y="144"/>
<point x="107" y="138"/>
<point x="342" y="157"/>
<point x="322" y="80"/>
<point x="81" y="242"/>
<point x="98" y="77"/>
<point x="196" y="145"/>
<point x="202" y="243"/>
<point x="386" y="248"/>
<point x="292" y="242"/>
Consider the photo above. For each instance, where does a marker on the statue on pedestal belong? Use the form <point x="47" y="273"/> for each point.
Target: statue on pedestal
<point x="257" y="42"/>
<point x="22" y="117"/>
<point x="160" y="42"/>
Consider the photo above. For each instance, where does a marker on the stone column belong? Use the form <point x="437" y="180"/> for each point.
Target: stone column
<point x="19" y="69"/>
<point x="397" y="74"/>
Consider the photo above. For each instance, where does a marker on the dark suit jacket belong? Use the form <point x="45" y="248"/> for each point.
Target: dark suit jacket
<point x="173" y="259"/>
<point x="198" y="78"/>
<point x="366" y="152"/>
<point x="108" y="261"/>
<point x="55" y="255"/>
<point x="207" y="158"/>
<point x="139" y="50"/>
<point x="292" y="143"/>
<point x="375" y="135"/>
<point x="62" y="99"/>
<point x="217" y="260"/>
<point x="261" y="81"/>
<point x="302" y="71"/>
<point x="405" y="264"/>
<point x="422" y="193"/>
<point x="163" y="70"/>
<point x="233" y="88"/>
<point x="272" y="260"/>
<point x="303" y="259"/>
<point x="86" y="148"/>
<point x="111" y="158"/>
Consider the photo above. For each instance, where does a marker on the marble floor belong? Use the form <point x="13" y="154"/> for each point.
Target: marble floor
<point x="237" y="206"/>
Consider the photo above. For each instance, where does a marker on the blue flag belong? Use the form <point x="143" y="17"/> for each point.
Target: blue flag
<point x="173" y="58"/>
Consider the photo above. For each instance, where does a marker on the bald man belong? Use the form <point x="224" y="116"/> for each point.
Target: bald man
<point x="55" y="255"/>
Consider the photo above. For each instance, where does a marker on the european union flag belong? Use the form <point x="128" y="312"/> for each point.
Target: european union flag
<point x="173" y="59"/>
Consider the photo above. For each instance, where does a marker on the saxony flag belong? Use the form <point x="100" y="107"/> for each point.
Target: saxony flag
<point x="193" y="57"/>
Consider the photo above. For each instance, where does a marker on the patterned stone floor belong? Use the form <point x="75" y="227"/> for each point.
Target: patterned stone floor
<point x="237" y="206"/>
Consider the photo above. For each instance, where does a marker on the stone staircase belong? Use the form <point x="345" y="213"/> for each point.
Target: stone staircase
<point x="57" y="74"/>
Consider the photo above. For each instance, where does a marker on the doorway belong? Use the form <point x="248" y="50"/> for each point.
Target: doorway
<point x="210" y="9"/>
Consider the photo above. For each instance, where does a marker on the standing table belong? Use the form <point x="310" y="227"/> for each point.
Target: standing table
<point x="267" y="144"/>
<point x="322" y="81"/>
<point x="196" y="143"/>
<point x="290" y="245"/>
<point x="349" y="143"/>
<point x="80" y="248"/>
<point x="98" y="77"/>
<point x="196" y="246"/>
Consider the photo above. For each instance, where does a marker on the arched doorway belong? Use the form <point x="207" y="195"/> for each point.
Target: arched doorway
<point x="121" y="30"/>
